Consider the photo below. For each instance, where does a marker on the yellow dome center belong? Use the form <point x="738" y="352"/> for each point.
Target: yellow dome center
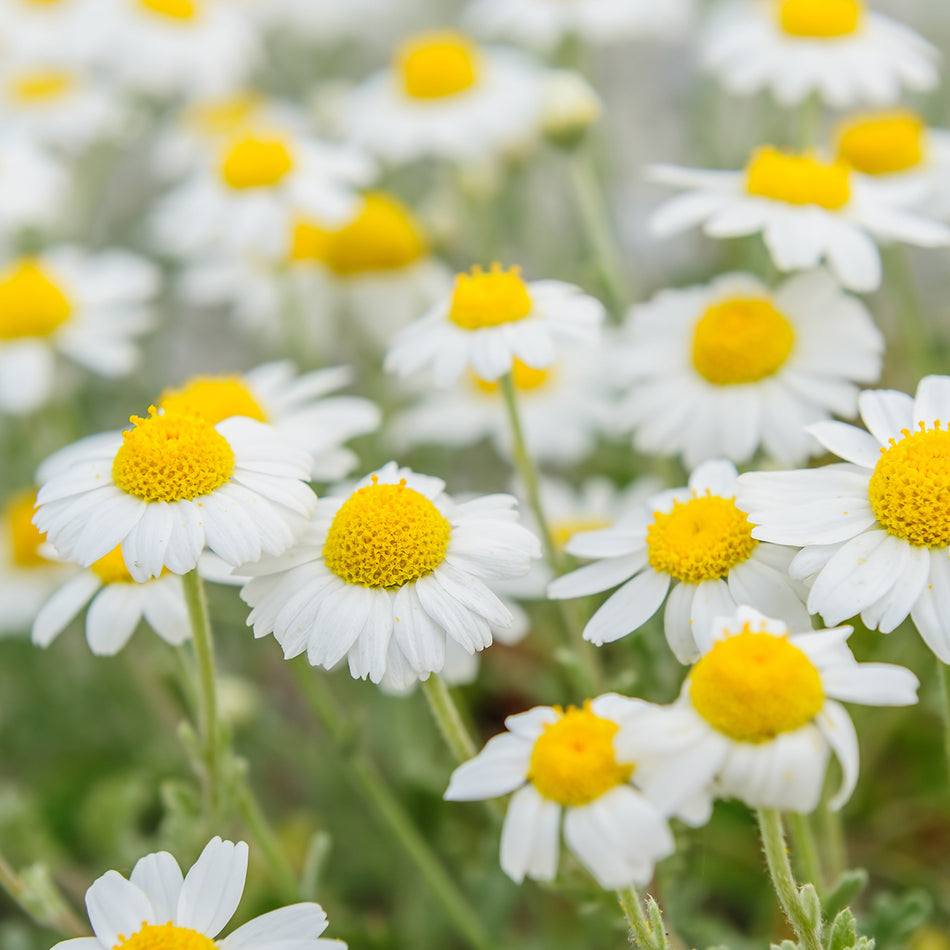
<point x="40" y="87"/>
<point x="31" y="304"/>
<point x="573" y="760"/>
<point x="563" y="531"/>
<point x="910" y="487"/>
<point x="489" y="299"/>
<point x="164" y="937"/>
<point x="386" y="536"/>
<point x="214" y="398"/>
<point x="741" y="340"/>
<point x="309" y="241"/>
<point x="111" y="568"/>
<point x="172" y="457"/>
<point x="882" y="144"/>
<point x="798" y="179"/>
<point x="223" y="117"/>
<point x="700" y="540"/>
<point x="525" y="378"/>
<point x="22" y="537"/>
<point x="252" y="162"/>
<point x="754" y="686"/>
<point x="172" y="9"/>
<point x="437" y="64"/>
<point x="820" y="19"/>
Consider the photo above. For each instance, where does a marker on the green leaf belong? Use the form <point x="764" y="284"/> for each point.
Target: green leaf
<point x="844" y="892"/>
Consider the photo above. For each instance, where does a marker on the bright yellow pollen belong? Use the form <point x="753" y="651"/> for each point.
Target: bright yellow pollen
<point x="172" y="457"/>
<point x="437" y="64"/>
<point x="523" y="376"/>
<point x="22" y="537"/>
<point x="489" y="299"/>
<point x="164" y="937"/>
<point x="173" y="9"/>
<point x="910" y="487"/>
<point x="741" y="340"/>
<point x="43" y="86"/>
<point x="308" y="242"/>
<point x="754" y="686"/>
<point x="573" y="760"/>
<point x="563" y="531"/>
<point x="111" y="568"/>
<point x="798" y="179"/>
<point x="700" y="540"/>
<point x="386" y="536"/>
<point x="882" y="144"/>
<point x="214" y="398"/>
<point x="820" y="19"/>
<point x="224" y="117"/>
<point x="256" y="163"/>
<point x="30" y="303"/>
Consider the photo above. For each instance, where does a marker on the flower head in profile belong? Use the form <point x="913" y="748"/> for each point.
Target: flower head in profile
<point x="158" y="907"/>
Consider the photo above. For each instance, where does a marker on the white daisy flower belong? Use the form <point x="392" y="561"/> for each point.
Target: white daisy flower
<point x="444" y="96"/>
<point x="86" y="306"/>
<point x="874" y="531"/>
<point x="760" y="714"/>
<point x="694" y="544"/>
<point x="493" y="318"/>
<point x="116" y="605"/>
<point x="300" y="408"/>
<point x="172" y="484"/>
<point x="158" y="907"/>
<point x="720" y="370"/>
<point x="563" y="762"/>
<point x="62" y="31"/>
<point x="807" y="209"/>
<point x="542" y="24"/>
<point x="840" y="49"/>
<point x="33" y="184"/>
<point x="386" y="574"/>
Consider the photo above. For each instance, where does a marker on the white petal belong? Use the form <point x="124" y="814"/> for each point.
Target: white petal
<point x="302" y="922"/>
<point x="628" y="608"/>
<point x="53" y="617"/>
<point x="836" y="726"/>
<point x="848" y="442"/>
<point x="500" y="768"/>
<point x="112" y="618"/>
<point x="530" y="836"/>
<point x="932" y="402"/>
<point x="117" y="909"/>
<point x="213" y="887"/>
<point x="159" y="877"/>
<point x="886" y="412"/>
<point x="596" y="577"/>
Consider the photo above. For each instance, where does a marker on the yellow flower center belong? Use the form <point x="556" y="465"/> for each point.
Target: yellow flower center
<point x="223" y="117"/>
<point x="23" y="538"/>
<point x="164" y="937"/>
<point x="172" y="457"/>
<point x="741" y="340"/>
<point x="754" y="686"/>
<point x="173" y="9"/>
<point x="573" y="759"/>
<point x="910" y="487"/>
<point x="700" y="540"/>
<point x="523" y="376"/>
<point x="30" y="303"/>
<point x="111" y="568"/>
<point x="563" y="531"/>
<point x="214" y="398"/>
<point x="386" y="536"/>
<point x="308" y="242"/>
<point x="489" y="299"/>
<point x="437" y="64"/>
<point x="798" y="179"/>
<point x="882" y="144"/>
<point x="44" y="86"/>
<point x="252" y="162"/>
<point x="820" y="19"/>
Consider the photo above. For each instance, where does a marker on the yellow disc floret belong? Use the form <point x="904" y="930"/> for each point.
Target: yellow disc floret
<point x="39" y="87"/>
<point x="224" y="117"/>
<point x="882" y="144"/>
<point x="386" y="536"/>
<point x="741" y="340"/>
<point x="573" y="760"/>
<point x="164" y="937"/>
<point x="437" y="64"/>
<point x="798" y="179"/>
<point x="754" y="686"/>
<point x="175" y="456"/>
<point x="910" y="487"/>
<point x="308" y="242"/>
<point x="700" y="540"/>
<point x="524" y="377"/>
<point x="22" y="537"/>
<point x="820" y="19"/>
<point x="489" y="299"/>
<point x="111" y="568"/>
<point x="252" y="162"/>
<point x="173" y="9"/>
<point x="214" y="398"/>
<point x="31" y="304"/>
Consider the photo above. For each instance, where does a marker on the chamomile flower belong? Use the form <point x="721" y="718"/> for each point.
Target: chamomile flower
<point x="562" y="763"/>
<point x="720" y="370"/>
<point x="63" y="31"/>
<point x="85" y="306"/>
<point x="760" y="713"/>
<point x="116" y="605"/>
<point x="806" y="208"/>
<point x="33" y="184"/>
<point x="491" y="319"/>
<point x="839" y="49"/>
<point x="171" y="485"/>
<point x="444" y="96"/>
<point x="389" y="572"/>
<point x="159" y="907"/>
<point x="694" y="544"/>
<point x="875" y="530"/>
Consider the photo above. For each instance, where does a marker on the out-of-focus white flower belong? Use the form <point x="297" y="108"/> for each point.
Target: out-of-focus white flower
<point x="33" y="184"/>
<point x="571" y="107"/>
<point x="67" y="32"/>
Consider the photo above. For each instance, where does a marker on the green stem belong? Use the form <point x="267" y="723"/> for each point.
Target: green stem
<point x="644" y="934"/>
<point x="809" y="120"/>
<point x="449" y="719"/>
<point x="266" y="839"/>
<point x="372" y="786"/>
<point x="915" y="334"/>
<point x="943" y="680"/>
<point x="45" y="905"/>
<point x="806" y="848"/>
<point x="780" y="870"/>
<point x="832" y="833"/>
